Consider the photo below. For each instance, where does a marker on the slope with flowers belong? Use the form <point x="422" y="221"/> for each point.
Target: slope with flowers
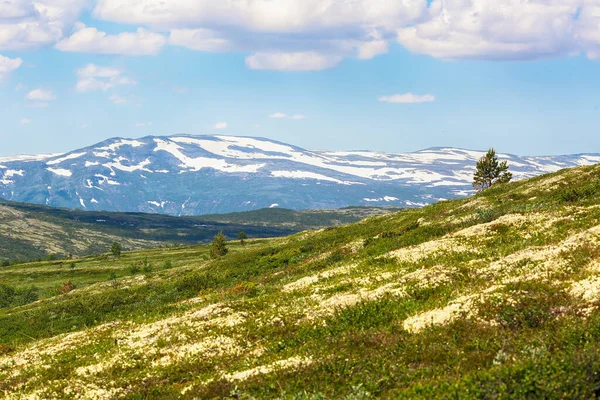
<point x="495" y="296"/>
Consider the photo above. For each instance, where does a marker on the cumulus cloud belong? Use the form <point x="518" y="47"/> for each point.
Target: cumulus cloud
<point x="40" y="95"/>
<point x="311" y="35"/>
<point x="587" y="30"/>
<point x="26" y="24"/>
<point x="221" y="125"/>
<point x="305" y="35"/>
<point x="302" y="61"/>
<point x="96" y="78"/>
<point x="498" y="30"/>
<point x="369" y="50"/>
<point x="407" y="98"/>
<point x="279" y="16"/>
<point x="91" y="40"/>
<point x="7" y="65"/>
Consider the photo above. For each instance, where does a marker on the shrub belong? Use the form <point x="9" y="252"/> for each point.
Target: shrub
<point x="168" y="264"/>
<point x="487" y="215"/>
<point x="115" y="249"/>
<point x="242" y="238"/>
<point x="10" y="296"/>
<point x="197" y="282"/>
<point x="66" y="287"/>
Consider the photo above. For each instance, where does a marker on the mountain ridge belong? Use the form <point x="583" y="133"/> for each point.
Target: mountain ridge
<point x="205" y="174"/>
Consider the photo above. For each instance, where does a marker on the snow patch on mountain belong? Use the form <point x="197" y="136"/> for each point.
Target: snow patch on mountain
<point x="105" y="179"/>
<point x="381" y="199"/>
<point x="71" y="156"/>
<point x="29" y="157"/>
<point x="120" y="143"/>
<point x="60" y="171"/>
<point x="310" y="175"/>
<point x="198" y="163"/>
<point x="9" y="173"/>
<point x="129" y="168"/>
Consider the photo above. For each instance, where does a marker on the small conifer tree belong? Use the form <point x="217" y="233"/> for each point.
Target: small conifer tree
<point x="490" y="171"/>
<point x="242" y="238"/>
<point x="218" y="247"/>
<point x="115" y="249"/>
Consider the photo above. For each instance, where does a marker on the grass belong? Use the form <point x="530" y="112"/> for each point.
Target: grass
<point x="495" y="296"/>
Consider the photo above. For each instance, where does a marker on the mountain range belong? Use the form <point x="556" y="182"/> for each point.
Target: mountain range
<point x="195" y="175"/>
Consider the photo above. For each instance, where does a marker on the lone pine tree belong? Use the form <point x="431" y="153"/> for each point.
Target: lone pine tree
<point x="218" y="247"/>
<point x="490" y="171"/>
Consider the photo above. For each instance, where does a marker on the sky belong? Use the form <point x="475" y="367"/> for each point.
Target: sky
<point x="522" y="76"/>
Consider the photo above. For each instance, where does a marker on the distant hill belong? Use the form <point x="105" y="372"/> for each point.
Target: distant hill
<point x="491" y="297"/>
<point x="196" y="175"/>
<point x="300" y="220"/>
<point x="29" y="231"/>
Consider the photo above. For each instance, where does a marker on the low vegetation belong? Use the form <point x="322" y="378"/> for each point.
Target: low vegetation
<point x="496" y="296"/>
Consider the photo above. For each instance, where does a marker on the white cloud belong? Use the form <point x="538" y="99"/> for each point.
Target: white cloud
<point x="280" y="115"/>
<point x="278" y="16"/>
<point x="94" y="78"/>
<point x="312" y="35"/>
<point x="200" y="40"/>
<point x="7" y="65"/>
<point x="302" y="61"/>
<point x="40" y="95"/>
<point x="27" y="24"/>
<point x="407" y="98"/>
<point x="25" y="121"/>
<point x="221" y="125"/>
<point x="587" y="30"/>
<point x="496" y="30"/>
<point x="83" y="126"/>
<point x="143" y="124"/>
<point x="372" y="49"/>
<point x="303" y="35"/>
<point x="91" y="40"/>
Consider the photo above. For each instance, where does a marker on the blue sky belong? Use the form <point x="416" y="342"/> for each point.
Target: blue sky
<point x="318" y="73"/>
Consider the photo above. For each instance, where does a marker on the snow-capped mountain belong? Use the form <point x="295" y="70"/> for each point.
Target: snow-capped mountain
<point x="193" y="175"/>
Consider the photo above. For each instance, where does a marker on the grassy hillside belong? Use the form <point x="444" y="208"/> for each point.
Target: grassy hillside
<point x="29" y="232"/>
<point x="300" y="220"/>
<point x="496" y="296"/>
